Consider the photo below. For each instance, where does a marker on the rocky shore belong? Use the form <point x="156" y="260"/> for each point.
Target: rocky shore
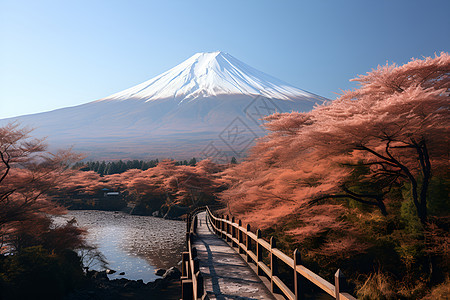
<point x="175" y="212"/>
<point x="99" y="287"/>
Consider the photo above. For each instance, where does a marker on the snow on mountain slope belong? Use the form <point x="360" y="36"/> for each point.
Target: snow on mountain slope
<point x="211" y="74"/>
<point x="176" y="114"/>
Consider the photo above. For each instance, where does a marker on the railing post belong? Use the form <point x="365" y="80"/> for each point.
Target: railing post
<point x="258" y="252"/>
<point x="185" y="264"/>
<point x="222" y="226"/>
<point x="273" y="264"/>
<point x="200" y="289"/>
<point x="187" y="290"/>
<point x="218" y="227"/>
<point x="248" y="244"/>
<point x="188" y="235"/>
<point x="225" y="227"/>
<point x="228" y="228"/>
<point x="196" y="265"/>
<point x="191" y="239"/>
<point x="298" y="291"/>
<point x="188" y="223"/>
<point x="216" y="223"/>
<point x="195" y="286"/>
<point x="233" y="233"/>
<point x="340" y="284"/>
<point x="240" y="239"/>
<point x="195" y="224"/>
<point x="211" y="219"/>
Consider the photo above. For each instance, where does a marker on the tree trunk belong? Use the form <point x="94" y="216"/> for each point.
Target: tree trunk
<point x="382" y="208"/>
<point x="425" y="165"/>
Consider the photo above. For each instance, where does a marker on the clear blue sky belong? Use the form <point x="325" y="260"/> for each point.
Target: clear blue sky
<point x="62" y="53"/>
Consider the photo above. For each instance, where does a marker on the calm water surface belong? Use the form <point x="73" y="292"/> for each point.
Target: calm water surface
<point x="136" y="245"/>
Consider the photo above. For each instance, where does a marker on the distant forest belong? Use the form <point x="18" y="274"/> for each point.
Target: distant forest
<point x="117" y="167"/>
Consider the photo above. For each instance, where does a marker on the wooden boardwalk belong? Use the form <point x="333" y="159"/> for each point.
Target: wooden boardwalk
<point x="226" y="275"/>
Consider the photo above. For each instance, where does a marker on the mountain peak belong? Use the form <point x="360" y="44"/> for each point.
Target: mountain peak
<point x="209" y="55"/>
<point x="212" y="54"/>
<point x="207" y="106"/>
<point x="210" y="74"/>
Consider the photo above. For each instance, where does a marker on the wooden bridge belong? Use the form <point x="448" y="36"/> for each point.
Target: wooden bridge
<point x="225" y="260"/>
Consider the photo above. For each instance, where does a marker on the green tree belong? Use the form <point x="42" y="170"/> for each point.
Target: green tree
<point x="193" y="162"/>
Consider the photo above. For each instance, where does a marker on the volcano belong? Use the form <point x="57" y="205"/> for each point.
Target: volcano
<point x="210" y="105"/>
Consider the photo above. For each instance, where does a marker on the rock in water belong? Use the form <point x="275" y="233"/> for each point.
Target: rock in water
<point x="160" y="272"/>
<point x="100" y="275"/>
<point x="172" y="274"/>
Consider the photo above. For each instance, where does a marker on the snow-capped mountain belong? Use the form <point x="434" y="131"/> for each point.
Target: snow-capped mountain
<point x="209" y="105"/>
<point x="211" y="74"/>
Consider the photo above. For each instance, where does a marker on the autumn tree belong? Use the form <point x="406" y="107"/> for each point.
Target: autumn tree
<point x="82" y="182"/>
<point x="195" y="185"/>
<point x="162" y="186"/>
<point x="391" y="130"/>
<point x="170" y="184"/>
<point x="396" y="124"/>
<point x="37" y="257"/>
<point x="359" y="176"/>
<point x="27" y="174"/>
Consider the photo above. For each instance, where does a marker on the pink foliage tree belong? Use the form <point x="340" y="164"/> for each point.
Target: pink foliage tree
<point x="166" y="184"/>
<point x="183" y="185"/>
<point x="393" y="129"/>
<point x="28" y="174"/>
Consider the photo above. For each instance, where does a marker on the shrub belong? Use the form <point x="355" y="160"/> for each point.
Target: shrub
<point x="34" y="273"/>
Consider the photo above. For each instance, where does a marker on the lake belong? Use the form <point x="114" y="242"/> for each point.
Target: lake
<point x="136" y="245"/>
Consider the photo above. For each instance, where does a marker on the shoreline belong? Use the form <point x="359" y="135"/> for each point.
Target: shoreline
<point x="98" y="286"/>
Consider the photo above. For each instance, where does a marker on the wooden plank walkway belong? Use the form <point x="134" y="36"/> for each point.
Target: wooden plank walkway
<point x="226" y="274"/>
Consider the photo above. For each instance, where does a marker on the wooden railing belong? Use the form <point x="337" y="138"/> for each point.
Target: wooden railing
<point x="192" y="285"/>
<point x="250" y="246"/>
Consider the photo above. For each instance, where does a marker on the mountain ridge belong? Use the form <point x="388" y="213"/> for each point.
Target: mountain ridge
<point x="175" y="114"/>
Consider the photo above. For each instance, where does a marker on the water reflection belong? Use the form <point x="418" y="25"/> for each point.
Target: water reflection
<point x="136" y="245"/>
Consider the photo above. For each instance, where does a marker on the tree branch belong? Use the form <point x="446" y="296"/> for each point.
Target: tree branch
<point x="6" y="163"/>
<point x="361" y="147"/>
<point x="314" y="201"/>
<point x="370" y="164"/>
